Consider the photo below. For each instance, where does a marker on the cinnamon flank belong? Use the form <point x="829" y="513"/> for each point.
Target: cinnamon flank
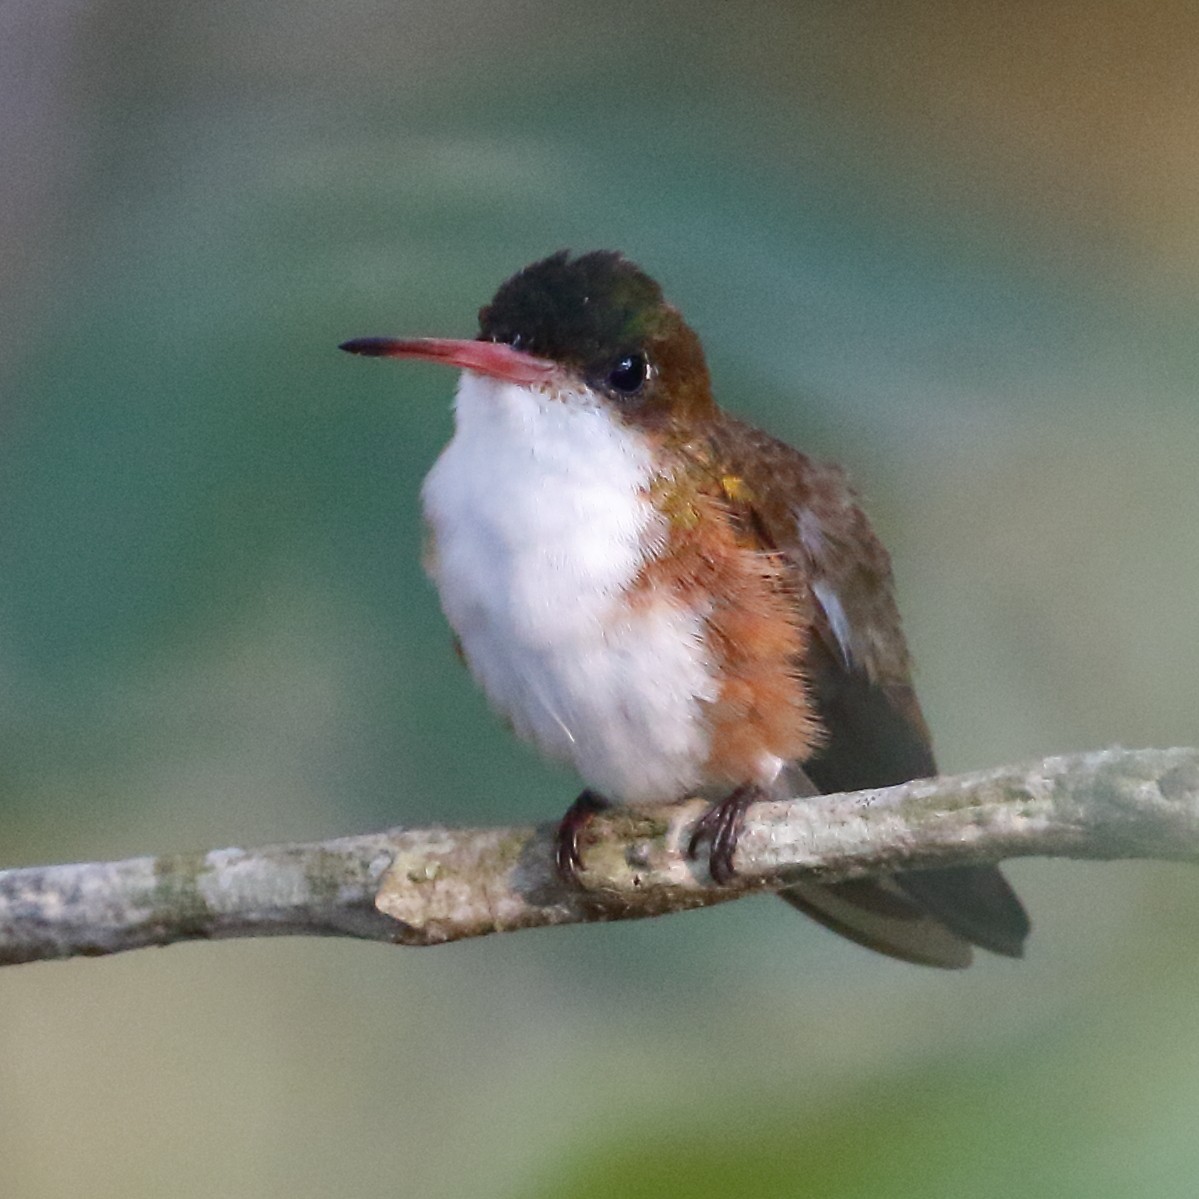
<point x="753" y="625"/>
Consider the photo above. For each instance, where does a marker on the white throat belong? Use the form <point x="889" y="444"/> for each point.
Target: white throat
<point x="541" y="520"/>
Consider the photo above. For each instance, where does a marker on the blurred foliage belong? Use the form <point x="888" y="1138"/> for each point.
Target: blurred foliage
<point x="953" y="247"/>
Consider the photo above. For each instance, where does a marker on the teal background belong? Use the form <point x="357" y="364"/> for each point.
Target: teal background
<point x="952" y="246"/>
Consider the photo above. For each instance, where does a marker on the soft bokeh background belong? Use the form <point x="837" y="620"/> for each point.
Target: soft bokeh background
<point x="953" y="246"/>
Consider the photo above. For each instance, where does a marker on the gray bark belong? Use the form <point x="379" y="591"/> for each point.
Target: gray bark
<point x="431" y="885"/>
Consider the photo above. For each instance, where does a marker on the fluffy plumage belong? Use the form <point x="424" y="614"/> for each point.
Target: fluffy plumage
<point x="671" y="600"/>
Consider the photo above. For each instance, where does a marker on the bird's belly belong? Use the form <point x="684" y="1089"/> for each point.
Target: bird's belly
<point x="619" y="695"/>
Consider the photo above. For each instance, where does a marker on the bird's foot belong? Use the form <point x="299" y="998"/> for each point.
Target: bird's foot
<point x="721" y="826"/>
<point x="566" y="839"/>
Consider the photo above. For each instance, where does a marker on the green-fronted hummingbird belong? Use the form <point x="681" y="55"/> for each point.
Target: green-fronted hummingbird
<point x="672" y="601"/>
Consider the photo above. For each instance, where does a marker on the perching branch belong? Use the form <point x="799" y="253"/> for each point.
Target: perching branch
<point x="427" y="886"/>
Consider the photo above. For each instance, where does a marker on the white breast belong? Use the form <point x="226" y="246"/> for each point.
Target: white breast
<point x="541" y="521"/>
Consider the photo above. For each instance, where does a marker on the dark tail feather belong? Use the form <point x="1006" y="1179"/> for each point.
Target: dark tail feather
<point x="975" y="902"/>
<point x="875" y="913"/>
<point x="930" y="917"/>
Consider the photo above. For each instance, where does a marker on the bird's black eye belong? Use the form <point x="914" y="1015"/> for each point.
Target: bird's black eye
<point x="628" y="374"/>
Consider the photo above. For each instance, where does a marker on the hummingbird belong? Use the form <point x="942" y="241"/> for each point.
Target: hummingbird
<point x="672" y="601"/>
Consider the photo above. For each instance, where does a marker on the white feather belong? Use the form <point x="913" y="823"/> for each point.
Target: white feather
<point x="812" y="538"/>
<point x="830" y="601"/>
<point x="541" y="520"/>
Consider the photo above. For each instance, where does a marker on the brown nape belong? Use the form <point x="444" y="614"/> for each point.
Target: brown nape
<point x="755" y="629"/>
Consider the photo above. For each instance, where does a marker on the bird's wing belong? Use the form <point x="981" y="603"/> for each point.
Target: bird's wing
<point x="859" y="676"/>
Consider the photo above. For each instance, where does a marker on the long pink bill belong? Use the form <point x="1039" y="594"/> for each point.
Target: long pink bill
<point x="483" y="357"/>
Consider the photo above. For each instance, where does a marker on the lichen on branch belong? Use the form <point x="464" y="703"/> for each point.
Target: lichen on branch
<point x="431" y="885"/>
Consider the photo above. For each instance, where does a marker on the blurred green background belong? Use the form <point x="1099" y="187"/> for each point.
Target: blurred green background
<point x="953" y="246"/>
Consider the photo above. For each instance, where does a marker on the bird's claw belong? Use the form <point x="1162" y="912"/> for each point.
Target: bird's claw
<point x="567" y="858"/>
<point x="721" y="826"/>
